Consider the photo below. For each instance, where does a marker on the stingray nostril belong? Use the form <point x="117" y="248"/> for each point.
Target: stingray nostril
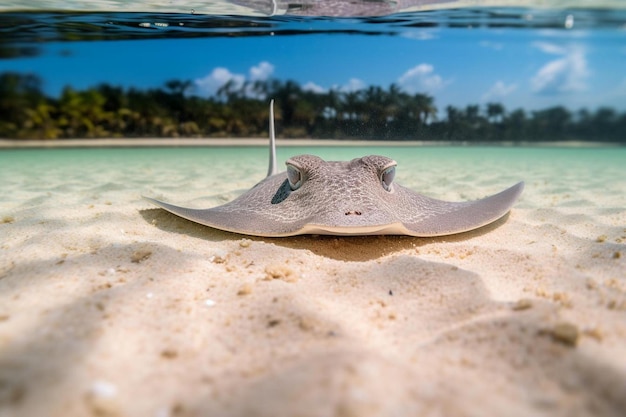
<point x="353" y="212"/>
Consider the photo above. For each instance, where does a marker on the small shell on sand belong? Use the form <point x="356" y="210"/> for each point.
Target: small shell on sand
<point x="101" y="398"/>
<point x="140" y="255"/>
<point x="245" y="289"/>
<point x="566" y="333"/>
<point x="219" y="257"/>
<point x="169" y="353"/>
<point x="280" y="272"/>
<point x="522" y="304"/>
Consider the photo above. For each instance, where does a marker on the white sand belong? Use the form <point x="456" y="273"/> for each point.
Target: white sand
<point x="109" y="307"/>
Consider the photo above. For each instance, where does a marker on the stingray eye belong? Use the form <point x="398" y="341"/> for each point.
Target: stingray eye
<point x="294" y="176"/>
<point x="386" y="178"/>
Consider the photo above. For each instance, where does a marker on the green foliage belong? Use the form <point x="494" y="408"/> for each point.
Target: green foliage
<point x="240" y="110"/>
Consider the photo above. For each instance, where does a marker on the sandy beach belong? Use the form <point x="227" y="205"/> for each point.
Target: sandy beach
<point x="111" y="307"/>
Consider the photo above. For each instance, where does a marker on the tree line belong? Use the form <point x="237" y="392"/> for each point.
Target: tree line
<point x="241" y="110"/>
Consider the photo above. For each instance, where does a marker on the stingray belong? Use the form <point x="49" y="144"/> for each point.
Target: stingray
<point x="357" y="197"/>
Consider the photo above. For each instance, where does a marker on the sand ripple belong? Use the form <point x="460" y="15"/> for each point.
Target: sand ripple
<point x="111" y="307"/>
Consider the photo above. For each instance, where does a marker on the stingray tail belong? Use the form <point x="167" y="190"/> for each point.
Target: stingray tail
<point x="271" y="170"/>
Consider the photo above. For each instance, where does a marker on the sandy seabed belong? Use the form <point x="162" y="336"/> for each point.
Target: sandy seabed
<point x="110" y="307"/>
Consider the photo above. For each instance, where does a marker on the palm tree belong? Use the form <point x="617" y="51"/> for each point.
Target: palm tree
<point x="351" y="106"/>
<point x="425" y="107"/>
<point x="495" y="112"/>
<point x="41" y="122"/>
<point x="229" y="91"/>
<point x="287" y="96"/>
<point x="516" y="126"/>
<point x="82" y="114"/>
<point x="241" y="109"/>
<point x="18" y="93"/>
<point x="453" y="128"/>
<point x="551" y="124"/>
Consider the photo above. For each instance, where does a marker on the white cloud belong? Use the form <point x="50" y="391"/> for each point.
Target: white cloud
<point x="565" y="74"/>
<point x="261" y="72"/>
<point x="212" y="82"/>
<point x="498" y="91"/>
<point x="354" y="84"/>
<point x="311" y="86"/>
<point x="421" y="78"/>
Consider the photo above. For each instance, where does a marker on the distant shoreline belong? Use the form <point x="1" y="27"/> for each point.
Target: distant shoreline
<point x="240" y="142"/>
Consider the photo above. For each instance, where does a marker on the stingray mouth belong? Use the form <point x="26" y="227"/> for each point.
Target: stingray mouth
<point x="353" y="213"/>
<point x="381" y="229"/>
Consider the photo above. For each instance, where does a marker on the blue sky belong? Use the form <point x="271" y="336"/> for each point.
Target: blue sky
<point x="520" y="68"/>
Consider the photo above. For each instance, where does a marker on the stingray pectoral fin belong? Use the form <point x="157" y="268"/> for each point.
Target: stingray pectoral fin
<point x="231" y="219"/>
<point x="186" y="213"/>
<point x="448" y="218"/>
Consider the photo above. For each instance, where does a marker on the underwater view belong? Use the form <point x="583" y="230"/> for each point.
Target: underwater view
<point x="442" y="231"/>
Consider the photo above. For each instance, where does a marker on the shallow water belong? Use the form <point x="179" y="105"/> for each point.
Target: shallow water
<point x="204" y="177"/>
<point x="96" y="284"/>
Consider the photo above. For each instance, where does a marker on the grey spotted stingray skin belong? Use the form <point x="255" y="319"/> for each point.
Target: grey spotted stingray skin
<point x="344" y="198"/>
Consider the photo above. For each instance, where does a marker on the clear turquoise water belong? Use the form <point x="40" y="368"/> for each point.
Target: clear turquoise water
<point x="208" y="176"/>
